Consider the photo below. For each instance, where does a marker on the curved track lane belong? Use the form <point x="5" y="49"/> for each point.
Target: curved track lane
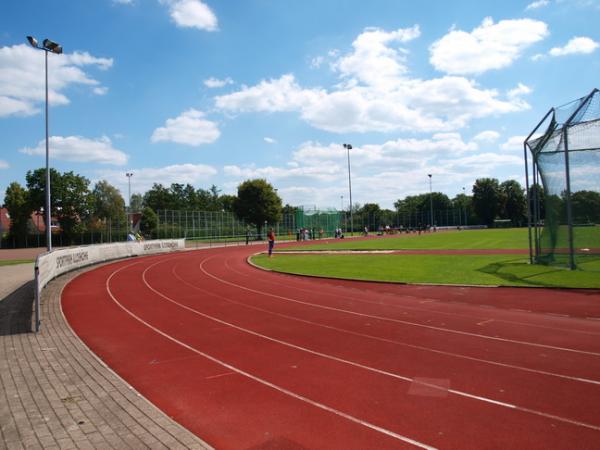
<point x="252" y="359"/>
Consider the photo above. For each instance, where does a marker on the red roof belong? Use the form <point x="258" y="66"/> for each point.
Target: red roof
<point x="37" y="219"/>
<point x="4" y="220"/>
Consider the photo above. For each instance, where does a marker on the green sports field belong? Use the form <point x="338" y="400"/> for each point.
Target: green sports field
<point x="482" y="269"/>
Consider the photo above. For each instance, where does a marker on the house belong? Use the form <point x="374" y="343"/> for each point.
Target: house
<point x="37" y="225"/>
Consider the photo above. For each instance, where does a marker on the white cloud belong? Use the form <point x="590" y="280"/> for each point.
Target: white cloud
<point x="537" y="4"/>
<point x="482" y="163"/>
<point x="577" y="45"/>
<point x="124" y="2"/>
<point x="192" y="14"/>
<point x="412" y="105"/>
<point x="373" y="61"/>
<point x="216" y="83"/>
<point x="520" y="90"/>
<point x="85" y="59"/>
<point x="487" y="136"/>
<point x="144" y="178"/>
<point x="3" y="164"/>
<point x="269" y="140"/>
<point x="319" y="173"/>
<point x="400" y="152"/>
<point x="22" y="85"/>
<point x="190" y="128"/>
<point x="275" y="95"/>
<point x="100" y="90"/>
<point x="513" y="143"/>
<point x="381" y="172"/>
<point x="489" y="46"/>
<point x="316" y="62"/>
<point x="376" y="93"/>
<point x="80" y="149"/>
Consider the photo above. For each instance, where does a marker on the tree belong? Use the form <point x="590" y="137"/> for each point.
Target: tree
<point x="585" y="206"/>
<point x="487" y="199"/>
<point x="369" y="215"/>
<point x="257" y="203"/>
<point x="463" y="203"/>
<point x="149" y="221"/>
<point x="107" y="202"/>
<point x="158" y="197"/>
<point x="70" y="198"/>
<point x="514" y="204"/>
<point x="227" y="202"/>
<point x="537" y="190"/>
<point x="17" y="204"/>
<point x="137" y="202"/>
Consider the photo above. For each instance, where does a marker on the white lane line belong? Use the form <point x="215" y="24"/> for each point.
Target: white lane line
<point x="260" y="380"/>
<point x="380" y="339"/>
<point x="387" y="319"/>
<point x="362" y="366"/>
<point x="430" y="311"/>
<point x="219" y="375"/>
<point x="483" y="322"/>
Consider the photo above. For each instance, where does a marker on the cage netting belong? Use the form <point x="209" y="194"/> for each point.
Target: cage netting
<point x="319" y="219"/>
<point x="565" y="212"/>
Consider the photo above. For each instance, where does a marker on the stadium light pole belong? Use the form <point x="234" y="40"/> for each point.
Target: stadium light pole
<point x="129" y="220"/>
<point x="349" y="147"/>
<point x="47" y="46"/>
<point x="430" y="199"/>
<point x="465" y="204"/>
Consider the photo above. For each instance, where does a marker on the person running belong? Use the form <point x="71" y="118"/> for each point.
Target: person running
<point x="271" y="238"/>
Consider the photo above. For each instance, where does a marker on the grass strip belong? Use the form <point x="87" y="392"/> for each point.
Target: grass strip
<point x="487" y="270"/>
<point x="13" y="262"/>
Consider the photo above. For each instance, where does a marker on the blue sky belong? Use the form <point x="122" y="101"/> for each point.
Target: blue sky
<point x="216" y="92"/>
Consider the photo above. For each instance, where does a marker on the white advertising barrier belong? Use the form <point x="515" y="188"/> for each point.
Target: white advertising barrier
<point x="50" y="265"/>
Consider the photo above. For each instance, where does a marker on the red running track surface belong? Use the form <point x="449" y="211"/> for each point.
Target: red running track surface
<point x="251" y="359"/>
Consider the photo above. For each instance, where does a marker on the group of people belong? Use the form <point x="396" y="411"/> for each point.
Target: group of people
<point x="306" y="234"/>
<point x="131" y="236"/>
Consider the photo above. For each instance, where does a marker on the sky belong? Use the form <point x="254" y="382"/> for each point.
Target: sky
<point x="219" y="91"/>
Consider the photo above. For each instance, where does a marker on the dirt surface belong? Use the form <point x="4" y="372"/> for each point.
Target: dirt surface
<point x="7" y="254"/>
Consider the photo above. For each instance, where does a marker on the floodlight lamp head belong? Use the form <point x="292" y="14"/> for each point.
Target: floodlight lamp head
<point x="52" y="46"/>
<point x="348" y="146"/>
<point x="33" y="41"/>
<point x="429" y="175"/>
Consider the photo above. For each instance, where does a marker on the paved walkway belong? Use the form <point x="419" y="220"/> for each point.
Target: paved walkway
<point x="55" y="394"/>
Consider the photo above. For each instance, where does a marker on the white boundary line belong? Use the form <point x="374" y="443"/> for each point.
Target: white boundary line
<point x="364" y="367"/>
<point x="260" y="380"/>
<point x="387" y="319"/>
<point x="390" y="341"/>
<point x="430" y="300"/>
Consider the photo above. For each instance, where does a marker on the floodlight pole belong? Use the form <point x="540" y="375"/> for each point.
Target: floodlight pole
<point x="430" y="200"/>
<point x="47" y="46"/>
<point x="349" y="147"/>
<point x="465" y="205"/>
<point x="129" y="222"/>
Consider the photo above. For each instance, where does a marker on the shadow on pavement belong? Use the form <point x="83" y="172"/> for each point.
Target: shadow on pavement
<point x="16" y="309"/>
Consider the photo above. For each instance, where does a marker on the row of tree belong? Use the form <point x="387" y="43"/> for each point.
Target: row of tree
<point x="79" y="208"/>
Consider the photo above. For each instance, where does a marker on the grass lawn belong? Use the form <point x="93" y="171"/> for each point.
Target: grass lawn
<point x="511" y="238"/>
<point x="495" y="270"/>
<point x="12" y="262"/>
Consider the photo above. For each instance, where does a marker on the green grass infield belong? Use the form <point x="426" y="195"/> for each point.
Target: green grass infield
<point x="481" y="269"/>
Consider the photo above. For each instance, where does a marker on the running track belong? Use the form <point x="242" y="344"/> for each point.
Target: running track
<point x="251" y="359"/>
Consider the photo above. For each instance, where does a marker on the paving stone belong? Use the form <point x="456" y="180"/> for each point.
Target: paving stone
<point x="55" y="394"/>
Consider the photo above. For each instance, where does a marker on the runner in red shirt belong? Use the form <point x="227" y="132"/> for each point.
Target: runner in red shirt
<point x="271" y="238"/>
